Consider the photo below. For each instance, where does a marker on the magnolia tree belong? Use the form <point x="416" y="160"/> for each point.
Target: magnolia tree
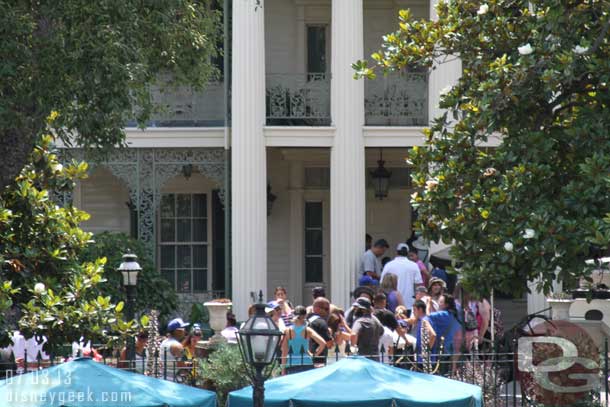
<point x="45" y="289"/>
<point x="536" y="75"/>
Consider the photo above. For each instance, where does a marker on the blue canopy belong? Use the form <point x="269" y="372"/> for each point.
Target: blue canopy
<point x="363" y="383"/>
<point x="84" y="382"/>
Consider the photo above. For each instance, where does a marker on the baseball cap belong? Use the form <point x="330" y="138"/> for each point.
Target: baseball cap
<point x="402" y="246"/>
<point x="367" y="281"/>
<point x="271" y="305"/>
<point x="176" y="323"/>
<point x="362" y="303"/>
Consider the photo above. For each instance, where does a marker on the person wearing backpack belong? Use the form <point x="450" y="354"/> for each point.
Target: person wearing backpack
<point x="476" y="314"/>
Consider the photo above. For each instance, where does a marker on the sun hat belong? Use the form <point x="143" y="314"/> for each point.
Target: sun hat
<point x="436" y="280"/>
<point x="363" y="290"/>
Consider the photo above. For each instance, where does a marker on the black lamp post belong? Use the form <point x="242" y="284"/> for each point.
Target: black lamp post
<point x="258" y="341"/>
<point x="130" y="269"/>
<point x="381" y="178"/>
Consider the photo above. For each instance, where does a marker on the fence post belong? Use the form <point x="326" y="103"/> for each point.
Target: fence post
<point x="606" y="369"/>
<point x="337" y="351"/>
<point x="156" y="363"/>
<point x="164" y="363"/>
<point x="515" y="373"/>
<point x="382" y="352"/>
<point x="25" y="360"/>
<point x="39" y="360"/>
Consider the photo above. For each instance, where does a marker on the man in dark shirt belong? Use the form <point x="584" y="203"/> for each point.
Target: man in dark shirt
<point x="317" y="322"/>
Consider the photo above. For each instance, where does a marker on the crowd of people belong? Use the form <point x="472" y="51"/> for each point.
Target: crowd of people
<point x="401" y="309"/>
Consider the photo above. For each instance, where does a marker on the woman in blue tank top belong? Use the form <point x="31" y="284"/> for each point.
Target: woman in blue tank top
<point x="295" y="347"/>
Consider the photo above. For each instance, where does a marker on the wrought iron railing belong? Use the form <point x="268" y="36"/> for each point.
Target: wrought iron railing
<point x="186" y="107"/>
<point x="298" y="99"/>
<point x="398" y="99"/>
<point x="494" y="373"/>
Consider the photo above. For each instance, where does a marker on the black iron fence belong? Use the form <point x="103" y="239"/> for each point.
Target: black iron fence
<point x="496" y="373"/>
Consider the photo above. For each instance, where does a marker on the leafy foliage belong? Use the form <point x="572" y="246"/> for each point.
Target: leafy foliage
<point x="41" y="273"/>
<point x="535" y="74"/>
<point x="153" y="291"/>
<point x="94" y="63"/>
<point x="225" y="370"/>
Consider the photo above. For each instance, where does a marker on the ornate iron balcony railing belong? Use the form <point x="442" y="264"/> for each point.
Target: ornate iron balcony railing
<point x="185" y="107"/>
<point x="298" y="99"/>
<point x="398" y="99"/>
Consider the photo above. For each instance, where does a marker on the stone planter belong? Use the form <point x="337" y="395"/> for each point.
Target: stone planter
<point x="218" y="319"/>
<point x="591" y="293"/>
<point x="560" y="309"/>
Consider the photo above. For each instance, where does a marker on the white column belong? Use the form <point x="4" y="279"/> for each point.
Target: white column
<point x="445" y="74"/>
<point x="248" y="154"/>
<point x="347" y="189"/>
<point x="297" y="227"/>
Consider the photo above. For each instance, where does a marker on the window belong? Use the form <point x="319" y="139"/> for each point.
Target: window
<point x="183" y="241"/>
<point x="314" y="272"/>
<point x="316" y="49"/>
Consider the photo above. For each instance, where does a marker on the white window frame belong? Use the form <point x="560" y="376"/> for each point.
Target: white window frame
<point x="208" y="243"/>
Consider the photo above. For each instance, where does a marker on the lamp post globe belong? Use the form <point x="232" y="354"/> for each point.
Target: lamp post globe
<point x="130" y="269"/>
<point x="259" y="340"/>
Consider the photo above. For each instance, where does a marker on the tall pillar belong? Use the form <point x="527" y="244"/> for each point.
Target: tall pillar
<point x="297" y="227"/>
<point x="444" y="75"/>
<point x="347" y="166"/>
<point x="248" y="155"/>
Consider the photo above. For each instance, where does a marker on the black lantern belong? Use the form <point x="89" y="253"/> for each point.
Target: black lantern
<point x="381" y="178"/>
<point x="259" y="340"/>
<point x="130" y="270"/>
<point x="270" y="199"/>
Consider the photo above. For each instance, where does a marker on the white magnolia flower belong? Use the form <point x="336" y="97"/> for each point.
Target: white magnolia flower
<point x="525" y="49"/>
<point x="529" y="234"/>
<point x="508" y="246"/>
<point x="558" y="270"/>
<point x="445" y="90"/>
<point x="557" y="255"/>
<point x="580" y="50"/>
<point x="57" y="167"/>
<point x="431" y="184"/>
<point x="39" y="288"/>
<point x="483" y="9"/>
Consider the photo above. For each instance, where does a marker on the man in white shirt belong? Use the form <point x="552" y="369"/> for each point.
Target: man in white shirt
<point x="406" y="271"/>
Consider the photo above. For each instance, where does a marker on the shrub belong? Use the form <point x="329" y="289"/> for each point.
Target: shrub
<point x="153" y="291"/>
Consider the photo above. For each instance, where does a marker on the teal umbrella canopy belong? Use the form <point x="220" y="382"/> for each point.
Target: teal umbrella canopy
<point x="363" y="383"/>
<point x="85" y="383"/>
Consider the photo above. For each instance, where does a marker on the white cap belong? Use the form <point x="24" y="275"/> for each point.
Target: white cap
<point x="402" y="246"/>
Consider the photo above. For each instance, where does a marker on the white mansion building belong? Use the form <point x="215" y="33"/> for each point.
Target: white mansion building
<point x="279" y="191"/>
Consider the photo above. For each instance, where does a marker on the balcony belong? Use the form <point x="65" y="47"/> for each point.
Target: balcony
<point x="398" y="99"/>
<point x="185" y="107"/>
<point x="298" y="99"/>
